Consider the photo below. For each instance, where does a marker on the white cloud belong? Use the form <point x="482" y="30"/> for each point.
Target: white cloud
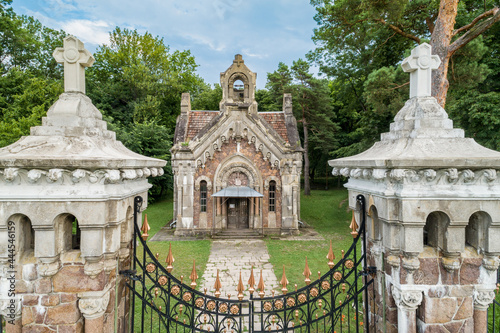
<point x="205" y="40"/>
<point x="93" y="32"/>
<point x="254" y="55"/>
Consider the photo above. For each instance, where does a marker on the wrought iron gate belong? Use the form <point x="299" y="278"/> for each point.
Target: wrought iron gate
<point x="338" y="301"/>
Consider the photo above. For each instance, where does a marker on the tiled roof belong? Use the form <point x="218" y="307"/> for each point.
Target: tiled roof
<point x="277" y="121"/>
<point x="198" y="120"/>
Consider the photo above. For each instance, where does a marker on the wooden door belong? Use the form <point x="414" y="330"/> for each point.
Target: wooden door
<point x="237" y="213"/>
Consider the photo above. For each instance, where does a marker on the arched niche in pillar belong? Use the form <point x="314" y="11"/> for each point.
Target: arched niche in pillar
<point x="435" y="229"/>
<point x="373" y="222"/>
<point x="24" y="235"/>
<point x="476" y="231"/>
<point x="68" y="233"/>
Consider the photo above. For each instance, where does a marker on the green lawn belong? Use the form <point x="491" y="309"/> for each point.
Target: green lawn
<point x="327" y="212"/>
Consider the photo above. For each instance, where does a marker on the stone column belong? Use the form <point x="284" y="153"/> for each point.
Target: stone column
<point x="407" y="302"/>
<point x="482" y="300"/>
<point x="93" y="305"/>
<point x="11" y="311"/>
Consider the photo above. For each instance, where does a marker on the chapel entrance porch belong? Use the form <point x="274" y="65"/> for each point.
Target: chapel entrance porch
<point x="238" y="209"/>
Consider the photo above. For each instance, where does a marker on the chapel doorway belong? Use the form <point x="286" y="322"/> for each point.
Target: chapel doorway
<point x="237" y="213"/>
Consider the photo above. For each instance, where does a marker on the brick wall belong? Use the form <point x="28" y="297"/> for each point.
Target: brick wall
<point x="264" y="167"/>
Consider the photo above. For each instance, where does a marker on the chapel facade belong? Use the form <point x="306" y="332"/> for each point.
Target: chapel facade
<point x="236" y="169"/>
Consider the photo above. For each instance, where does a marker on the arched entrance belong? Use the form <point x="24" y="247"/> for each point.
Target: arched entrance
<point x="237" y="208"/>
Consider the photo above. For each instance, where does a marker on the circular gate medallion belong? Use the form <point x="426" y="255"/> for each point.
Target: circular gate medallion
<point x="150" y="268"/>
<point x="162" y="280"/>
<point x="211" y="305"/>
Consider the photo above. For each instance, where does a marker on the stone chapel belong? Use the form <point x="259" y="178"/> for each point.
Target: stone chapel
<point x="236" y="169"/>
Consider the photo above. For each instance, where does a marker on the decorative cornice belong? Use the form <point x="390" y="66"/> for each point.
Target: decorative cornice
<point x="449" y="176"/>
<point x="408" y="300"/>
<point x="94" y="305"/>
<point x="65" y="176"/>
<point x="483" y="298"/>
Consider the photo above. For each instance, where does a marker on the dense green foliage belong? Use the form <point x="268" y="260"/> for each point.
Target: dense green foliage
<point x="360" y="49"/>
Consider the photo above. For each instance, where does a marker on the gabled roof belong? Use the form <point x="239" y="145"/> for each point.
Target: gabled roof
<point x="198" y="121"/>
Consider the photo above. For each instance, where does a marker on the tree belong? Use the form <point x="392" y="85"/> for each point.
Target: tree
<point x="351" y="29"/>
<point x="312" y="105"/>
<point x="208" y="98"/>
<point x="137" y="79"/>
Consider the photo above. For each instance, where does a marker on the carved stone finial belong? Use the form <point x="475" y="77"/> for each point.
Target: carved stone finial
<point x="75" y="58"/>
<point x="420" y="65"/>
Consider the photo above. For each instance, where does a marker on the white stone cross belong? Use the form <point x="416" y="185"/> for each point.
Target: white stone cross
<point x="75" y="58"/>
<point x="420" y="65"/>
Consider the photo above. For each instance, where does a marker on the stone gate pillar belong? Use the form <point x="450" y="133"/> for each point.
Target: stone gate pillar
<point x="66" y="224"/>
<point x="433" y="216"/>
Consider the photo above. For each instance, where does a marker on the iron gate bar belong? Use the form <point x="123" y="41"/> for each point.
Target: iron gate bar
<point x="323" y="301"/>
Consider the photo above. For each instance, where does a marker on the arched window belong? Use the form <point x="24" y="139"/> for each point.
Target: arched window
<point x="272" y="196"/>
<point x="203" y="196"/>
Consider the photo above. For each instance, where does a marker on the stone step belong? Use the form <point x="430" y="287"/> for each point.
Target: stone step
<point x="237" y="234"/>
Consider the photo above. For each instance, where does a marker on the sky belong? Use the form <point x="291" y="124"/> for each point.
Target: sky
<point x="265" y="32"/>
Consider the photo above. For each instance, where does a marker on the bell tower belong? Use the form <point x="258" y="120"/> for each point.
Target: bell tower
<point x="238" y="87"/>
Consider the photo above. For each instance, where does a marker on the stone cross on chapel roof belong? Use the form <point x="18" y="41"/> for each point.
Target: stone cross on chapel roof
<point x="238" y="60"/>
<point x="75" y="58"/>
<point x="420" y="65"/>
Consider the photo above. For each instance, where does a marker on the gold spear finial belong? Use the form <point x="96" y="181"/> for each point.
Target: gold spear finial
<point x="284" y="282"/>
<point x="241" y="288"/>
<point x="193" y="275"/>
<point x="217" y="285"/>
<point x="330" y="256"/>
<point x="170" y="259"/>
<point x="261" y="285"/>
<point x="307" y="273"/>
<point x="354" y="226"/>
<point x="251" y="282"/>
<point x="145" y="228"/>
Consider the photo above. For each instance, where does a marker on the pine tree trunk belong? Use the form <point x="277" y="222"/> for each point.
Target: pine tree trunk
<point x="440" y="42"/>
<point x="307" y="185"/>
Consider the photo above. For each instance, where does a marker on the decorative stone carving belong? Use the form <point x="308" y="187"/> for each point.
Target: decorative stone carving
<point x="10" y="308"/>
<point x="93" y="269"/>
<point x="450" y="176"/>
<point x="93" y="305"/>
<point x="483" y="298"/>
<point x="410" y="263"/>
<point x="408" y="300"/>
<point x="48" y="269"/>
<point x="393" y="260"/>
<point x="451" y="262"/>
<point x="36" y="176"/>
<point x="491" y="262"/>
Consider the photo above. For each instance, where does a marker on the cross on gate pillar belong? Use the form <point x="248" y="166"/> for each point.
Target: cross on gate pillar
<point x="420" y="65"/>
<point x="75" y="58"/>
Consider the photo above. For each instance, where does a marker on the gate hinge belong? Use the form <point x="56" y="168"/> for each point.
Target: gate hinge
<point x="370" y="270"/>
<point x="130" y="274"/>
